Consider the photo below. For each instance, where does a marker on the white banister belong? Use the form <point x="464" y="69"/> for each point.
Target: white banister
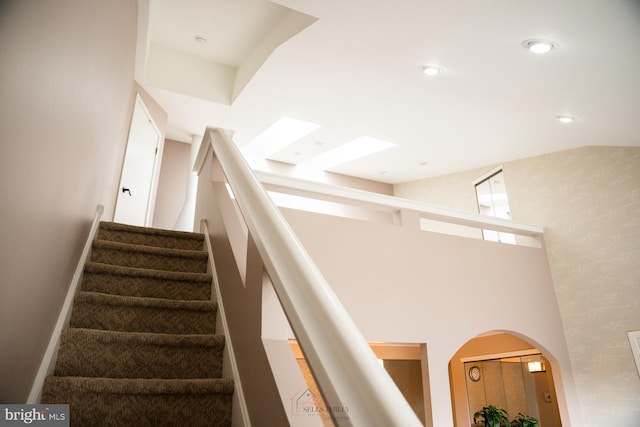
<point x="343" y="364"/>
<point x="384" y="202"/>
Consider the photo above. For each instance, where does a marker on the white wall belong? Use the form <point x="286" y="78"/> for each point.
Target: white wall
<point x="67" y="94"/>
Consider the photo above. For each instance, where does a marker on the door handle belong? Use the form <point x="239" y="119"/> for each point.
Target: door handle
<point x="126" y="190"/>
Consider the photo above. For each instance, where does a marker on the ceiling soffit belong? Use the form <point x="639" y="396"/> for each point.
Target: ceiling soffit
<point x="236" y="38"/>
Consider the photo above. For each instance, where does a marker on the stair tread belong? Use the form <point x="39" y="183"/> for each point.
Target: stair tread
<point x="149" y="338"/>
<point x="179" y="276"/>
<point x="141" y="340"/>
<point x="128" y="247"/>
<point x="145" y="385"/>
<point x="151" y="230"/>
<point x="151" y="257"/>
<point x="98" y="353"/>
<point x="160" y="303"/>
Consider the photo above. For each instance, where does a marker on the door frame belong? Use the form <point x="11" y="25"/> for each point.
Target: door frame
<point x="155" y="174"/>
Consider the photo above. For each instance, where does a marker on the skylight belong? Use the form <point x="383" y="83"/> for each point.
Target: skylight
<point x="279" y="135"/>
<point x="356" y="149"/>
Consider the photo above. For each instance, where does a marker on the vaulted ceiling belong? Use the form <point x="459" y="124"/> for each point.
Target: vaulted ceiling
<point x="338" y="71"/>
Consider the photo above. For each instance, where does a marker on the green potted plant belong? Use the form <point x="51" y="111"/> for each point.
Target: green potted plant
<point x="492" y="416"/>
<point x="525" y="421"/>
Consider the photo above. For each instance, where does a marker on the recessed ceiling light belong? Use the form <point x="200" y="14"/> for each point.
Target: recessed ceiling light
<point x="539" y="46"/>
<point x="566" y="119"/>
<point x="200" y="39"/>
<point x="430" y="70"/>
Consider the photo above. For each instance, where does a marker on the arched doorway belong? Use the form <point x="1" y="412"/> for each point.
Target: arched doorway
<point x="503" y="370"/>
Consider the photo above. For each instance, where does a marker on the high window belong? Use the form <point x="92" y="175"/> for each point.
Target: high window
<point x="491" y="193"/>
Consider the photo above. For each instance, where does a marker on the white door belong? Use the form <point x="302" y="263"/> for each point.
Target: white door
<point x="134" y="195"/>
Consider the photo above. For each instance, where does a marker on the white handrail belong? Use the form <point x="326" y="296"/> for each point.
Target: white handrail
<point x="343" y="364"/>
<point x="395" y="204"/>
<point x="49" y="359"/>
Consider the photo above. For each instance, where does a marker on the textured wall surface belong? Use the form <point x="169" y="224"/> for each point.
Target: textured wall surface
<point x="588" y="200"/>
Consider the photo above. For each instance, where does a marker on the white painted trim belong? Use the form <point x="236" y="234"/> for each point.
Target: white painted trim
<point x="343" y="364"/>
<point x="201" y="156"/>
<point x="157" y="164"/>
<point x="634" y="340"/>
<point x="394" y="204"/>
<point x="143" y="41"/>
<point x="51" y="354"/>
<point x="503" y="355"/>
<point x="239" y="402"/>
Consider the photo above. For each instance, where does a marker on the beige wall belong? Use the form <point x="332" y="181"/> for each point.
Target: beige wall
<point x="67" y="94"/>
<point x="401" y="285"/>
<point x="172" y="185"/>
<point x="588" y="200"/>
<point x="285" y="169"/>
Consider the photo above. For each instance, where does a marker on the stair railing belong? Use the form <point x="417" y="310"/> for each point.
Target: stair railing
<point x="343" y="364"/>
<point x="408" y="211"/>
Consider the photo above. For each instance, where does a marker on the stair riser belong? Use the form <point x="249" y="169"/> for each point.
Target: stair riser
<point x="148" y="260"/>
<point x="159" y="241"/>
<point x="145" y="287"/>
<point x="142" y="319"/>
<point x="135" y="360"/>
<point x="102" y="409"/>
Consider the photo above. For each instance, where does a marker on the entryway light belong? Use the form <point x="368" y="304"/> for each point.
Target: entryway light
<point x="539" y="46"/>
<point x="430" y="70"/>
<point x="537" y="366"/>
<point x="566" y="119"/>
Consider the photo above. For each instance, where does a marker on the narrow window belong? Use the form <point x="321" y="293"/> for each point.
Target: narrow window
<point x="491" y="193"/>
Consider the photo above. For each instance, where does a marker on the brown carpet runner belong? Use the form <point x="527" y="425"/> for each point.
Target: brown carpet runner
<point x="141" y="348"/>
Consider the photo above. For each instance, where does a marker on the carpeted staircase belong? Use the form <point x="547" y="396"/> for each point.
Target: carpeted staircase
<point x="141" y="348"/>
